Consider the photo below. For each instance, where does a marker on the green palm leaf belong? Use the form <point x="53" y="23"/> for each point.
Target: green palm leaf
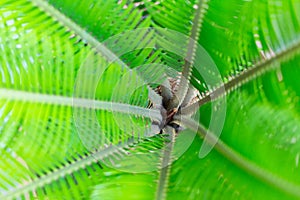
<point x="75" y="85"/>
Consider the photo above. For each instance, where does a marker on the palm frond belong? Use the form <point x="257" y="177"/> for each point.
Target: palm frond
<point x="263" y="66"/>
<point x="77" y="78"/>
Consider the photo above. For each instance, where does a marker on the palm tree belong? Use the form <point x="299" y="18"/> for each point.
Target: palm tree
<point x="149" y="99"/>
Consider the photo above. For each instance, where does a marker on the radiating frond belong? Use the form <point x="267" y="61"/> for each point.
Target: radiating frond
<point x="77" y="78"/>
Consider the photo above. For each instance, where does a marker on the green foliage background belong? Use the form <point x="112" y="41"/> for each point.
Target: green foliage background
<point x="44" y="43"/>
